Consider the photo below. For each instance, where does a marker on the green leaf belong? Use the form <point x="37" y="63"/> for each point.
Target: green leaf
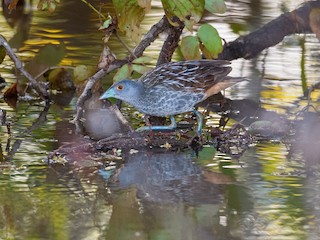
<point x="215" y="6"/>
<point x="140" y="68"/>
<point x="190" y="48"/>
<point x="142" y="59"/>
<point x="130" y="14"/>
<point x="124" y="72"/>
<point x="82" y="72"/>
<point x="188" y="11"/>
<point x="106" y="23"/>
<point x="209" y="37"/>
<point x="2" y="53"/>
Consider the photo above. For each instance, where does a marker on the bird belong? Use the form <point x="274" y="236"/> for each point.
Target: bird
<point x="173" y="88"/>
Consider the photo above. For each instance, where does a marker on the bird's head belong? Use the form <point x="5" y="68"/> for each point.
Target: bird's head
<point x="125" y="90"/>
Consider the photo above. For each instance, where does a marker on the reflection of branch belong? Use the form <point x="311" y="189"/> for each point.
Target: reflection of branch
<point x="272" y="33"/>
<point x="153" y="33"/>
<point x="40" y="120"/>
<point x="40" y="89"/>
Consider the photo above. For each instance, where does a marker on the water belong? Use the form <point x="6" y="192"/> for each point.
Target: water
<point x="270" y="192"/>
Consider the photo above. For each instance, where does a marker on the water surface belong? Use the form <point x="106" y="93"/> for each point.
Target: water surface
<point x="270" y="192"/>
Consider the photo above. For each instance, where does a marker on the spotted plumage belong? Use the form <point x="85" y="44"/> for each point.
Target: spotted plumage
<point x="174" y="87"/>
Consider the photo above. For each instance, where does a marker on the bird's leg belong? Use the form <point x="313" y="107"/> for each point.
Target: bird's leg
<point x="200" y="120"/>
<point x="172" y="126"/>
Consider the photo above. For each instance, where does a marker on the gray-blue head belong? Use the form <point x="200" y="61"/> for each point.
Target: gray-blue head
<point x="126" y="90"/>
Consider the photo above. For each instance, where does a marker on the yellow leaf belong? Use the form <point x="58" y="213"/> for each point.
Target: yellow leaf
<point x="190" y="48"/>
<point x="130" y="13"/>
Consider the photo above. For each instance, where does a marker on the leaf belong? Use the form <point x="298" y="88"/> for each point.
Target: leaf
<point x="215" y="6"/>
<point x="314" y="17"/>
<point x="124" y="72"/>
<point x="106" y="24"/>
<point x="190" y="48"/>
<point x="48" y="4"/>
<point x="11" y="92"/>
<point x="143" y="59"/>
<point x="82" y="72"/>
<point x="140" y="68"/>
<point x="188" y="11"/>
<point x="2" y="53"/>
<point x="130" y="14"/>
<point x="60" y="79"/>
<point x="106" y="57"/>
<point x="209" y="37"/>
<point x="48" y="56"/>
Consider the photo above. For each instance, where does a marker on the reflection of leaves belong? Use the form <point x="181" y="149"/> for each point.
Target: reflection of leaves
<point x="12" y="4"/>
<point x="130" y="13"/>
<point x="211" y="41"/>
<point x="190" y="48"/>
<point x="206" y="155"/>
<point x="60" y="79"/>
<point x="48" y="4"/>
<point x="188" y="11"/>
<point x="50" y="54"/>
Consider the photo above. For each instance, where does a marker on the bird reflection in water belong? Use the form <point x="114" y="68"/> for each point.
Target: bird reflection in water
<point x="165" y="195"/>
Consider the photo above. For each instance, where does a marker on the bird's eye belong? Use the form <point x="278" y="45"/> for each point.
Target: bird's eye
<point x="120" y="87"/>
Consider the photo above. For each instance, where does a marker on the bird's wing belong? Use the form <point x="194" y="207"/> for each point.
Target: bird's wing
<point x="194" y="76"/>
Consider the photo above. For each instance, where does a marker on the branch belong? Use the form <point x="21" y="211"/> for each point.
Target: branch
<point x="153" y="33"/>
<point x="40" y="89"/>
<point x="270" y="34"/>
<point x="171" y="43"/>
<point x="22" y="135"/>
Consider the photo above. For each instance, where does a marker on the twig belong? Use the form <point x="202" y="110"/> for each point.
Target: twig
<point x="40" y="120"/>
<point x="50" y="68"/>
<point x="153" y="33"/>
<point x="94" y="9"/>
<point x="123" y="43"/>
<point x="40" y="89"/>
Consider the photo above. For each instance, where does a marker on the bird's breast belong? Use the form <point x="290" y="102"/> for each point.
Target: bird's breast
<point x="167" y="102"/>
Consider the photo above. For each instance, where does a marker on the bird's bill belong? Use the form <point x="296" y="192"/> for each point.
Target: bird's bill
<point x="107" y="94"/>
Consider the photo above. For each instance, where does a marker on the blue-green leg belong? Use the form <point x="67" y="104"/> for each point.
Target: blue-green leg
<point x="172" y="126"/>
<point x="200" y="120"/>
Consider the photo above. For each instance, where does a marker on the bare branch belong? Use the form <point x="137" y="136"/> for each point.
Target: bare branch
<point x="40" y="89"/>
<point x="270" y="34"/>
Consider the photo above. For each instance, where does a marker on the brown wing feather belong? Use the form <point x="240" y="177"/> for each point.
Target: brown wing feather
<point x="194" y="76"/>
